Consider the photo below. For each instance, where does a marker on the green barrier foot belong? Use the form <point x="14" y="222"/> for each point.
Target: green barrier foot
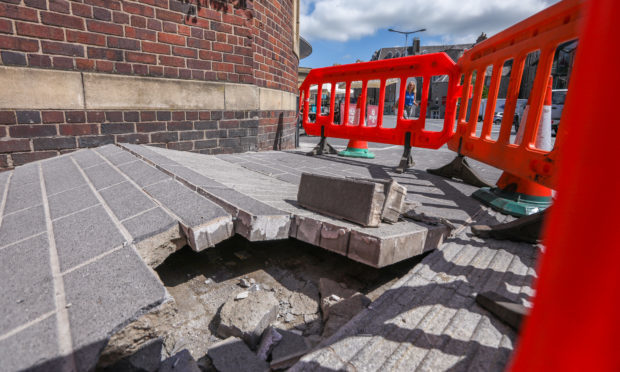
<point x="512" y="203"/>
<point x="357" y="153"/>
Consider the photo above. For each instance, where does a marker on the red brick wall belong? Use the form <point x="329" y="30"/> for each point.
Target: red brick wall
<point x="251" y="43"/>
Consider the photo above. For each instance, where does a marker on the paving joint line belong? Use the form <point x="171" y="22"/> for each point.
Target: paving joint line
<point x="119" y="226"/>
<point x="5" y="194"/>
<point x="110" y="186"/>
<point x="21" y="240"/>
<point x="63" y="326"/>
<point x="63" y="191"/>
<point x="23" y="209"/>
<point x="139" y="214"/>
<point x="26" y="325"/>
<point x="91" y="260"/>
<point x="76" y="212"/>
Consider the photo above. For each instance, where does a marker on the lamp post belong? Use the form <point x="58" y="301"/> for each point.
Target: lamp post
<point x="406" y="35"/>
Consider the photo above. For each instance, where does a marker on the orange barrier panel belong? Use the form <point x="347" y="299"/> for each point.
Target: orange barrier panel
<point x="574" y="324"/>
<point x="425" y="66"/>
<point x="542" y="32"/>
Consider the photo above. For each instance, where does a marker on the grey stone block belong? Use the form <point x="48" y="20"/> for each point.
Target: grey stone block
<point x="148" y="154"/>
<point x="106" y="295"/>
<point x="21" y="225"/>
<point x="84" y="235"/>
<point x="353" y="200"/>
<point x="27" y="290"/>
<point x="71" y="201"/>
<point x="288" y="350"/>
<point x="21" y="196"/>
<point x="149" y="224"/>
<point x="181" y="361"/>
<point x="61" y="174"/>
<point x="103" y="175"/>
<point x="125" y="200"/>
<point x="204" y="223"/>
<point x="142" y="173"/>
<point x="247" y="318"/>
<point x="109" y="150"/>
<point x="87" y="158"/>
<point x="395" y="195"/>
<point x="233" y="355"/>
<point x="34" y="348"/>
<point x="393" y="243"/>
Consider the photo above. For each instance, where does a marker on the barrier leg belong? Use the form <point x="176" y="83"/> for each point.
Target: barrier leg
<point x="507" y="311"/>
<point x="406" y="160"/>
<point x="525" y="229"/>
<point x="460" y="168"/>
<point x="322" y="147"/>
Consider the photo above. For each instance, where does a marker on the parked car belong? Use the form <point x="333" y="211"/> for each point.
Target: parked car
<point x="558" y="96"/>
<point x="497" y="120"/>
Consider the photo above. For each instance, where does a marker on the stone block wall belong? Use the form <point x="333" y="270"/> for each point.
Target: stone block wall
<point x="200" y="75"/>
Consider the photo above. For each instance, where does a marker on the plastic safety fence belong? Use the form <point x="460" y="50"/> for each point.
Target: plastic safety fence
<point x="542" y="32"/>
<point x="358" y="124"/>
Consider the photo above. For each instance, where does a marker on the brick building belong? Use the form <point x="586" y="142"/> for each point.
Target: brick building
<point x="211" y="76"/>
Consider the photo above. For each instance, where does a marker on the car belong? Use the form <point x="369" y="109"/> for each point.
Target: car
<point x="497" y="120"/>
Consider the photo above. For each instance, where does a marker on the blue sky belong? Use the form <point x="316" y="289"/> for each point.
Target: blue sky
<point x="342" y="31"/>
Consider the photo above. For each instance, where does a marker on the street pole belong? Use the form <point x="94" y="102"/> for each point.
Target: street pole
<point x="406" y="36"/>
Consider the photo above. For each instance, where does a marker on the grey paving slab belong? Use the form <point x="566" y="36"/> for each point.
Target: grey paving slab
<point x="22" y="196"/>
<point x="106" y="295"/>
<point x="61" y="174"/>
<point x="27" y="289"/>
<point x="84" y="235"/>
<point x="149" y="153"/>
<point x="204" y="222"/>
<point x="142" y="173"/>
<point x="86" y="158"/>
<point x="103" y="175"/>
<point x="255" y="220"/>
<point x="22" y="224"/>
<point x="70" y="201"/>
<point x="121" y="157"/>
<point x="26" y="174"/>
<point x="34" y="348"/>
<point x="148" y="224"/>
<point x="125" y="200"/>
<point x="109" y="150"/>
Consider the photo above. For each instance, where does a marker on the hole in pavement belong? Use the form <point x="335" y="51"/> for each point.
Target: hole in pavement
<point x="202" y="282"/>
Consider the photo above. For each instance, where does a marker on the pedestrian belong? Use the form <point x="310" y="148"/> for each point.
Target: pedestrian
<point x="410" y="100"/>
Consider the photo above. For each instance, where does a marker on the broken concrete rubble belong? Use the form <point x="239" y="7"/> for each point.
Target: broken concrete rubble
<point x="249" y="317"/>
<point x="233" y="355"/>
<point x="271" y="337"/>
<point x="288" y="350"/>
<point x="350" y="199"/>
<point x="339" y="304"/>
<point x="181" y="361"/>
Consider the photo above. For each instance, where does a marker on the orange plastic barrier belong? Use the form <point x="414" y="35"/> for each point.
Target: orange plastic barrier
<point x="424" y="66"/>
<point x="574" y="325"/>
<point x="542" y="32"/>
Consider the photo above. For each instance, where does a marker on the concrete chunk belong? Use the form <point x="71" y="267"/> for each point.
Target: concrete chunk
<point x="353" y="200"/>
<point x="181" y="361"/>
<point x="247" y="318"/>
<point x="233" y="355"/>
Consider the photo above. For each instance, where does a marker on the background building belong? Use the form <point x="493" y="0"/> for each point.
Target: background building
<point x="206" y="76"/>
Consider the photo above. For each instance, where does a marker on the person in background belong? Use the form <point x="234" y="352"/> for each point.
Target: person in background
<point x="410" y="102"/>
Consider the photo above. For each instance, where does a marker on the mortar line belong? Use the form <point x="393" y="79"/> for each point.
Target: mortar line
<point x="63" y="191"/>
<point x="110" y="186"/>
<point x="177" y="218"/>
<point x="91" y="260"/>
<point x="139" y="214"/>
<point x="21" y="240"/>
<point x="63" y="327"/>
<point x="22" y="327"/>
<point x="119" y="225"/>
<point x="22" y="210"/>
<point x="76" y="212"/>
<point x="5" y="194"/>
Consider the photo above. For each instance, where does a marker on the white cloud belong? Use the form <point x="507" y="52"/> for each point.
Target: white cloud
<point x="451" y="20"/>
